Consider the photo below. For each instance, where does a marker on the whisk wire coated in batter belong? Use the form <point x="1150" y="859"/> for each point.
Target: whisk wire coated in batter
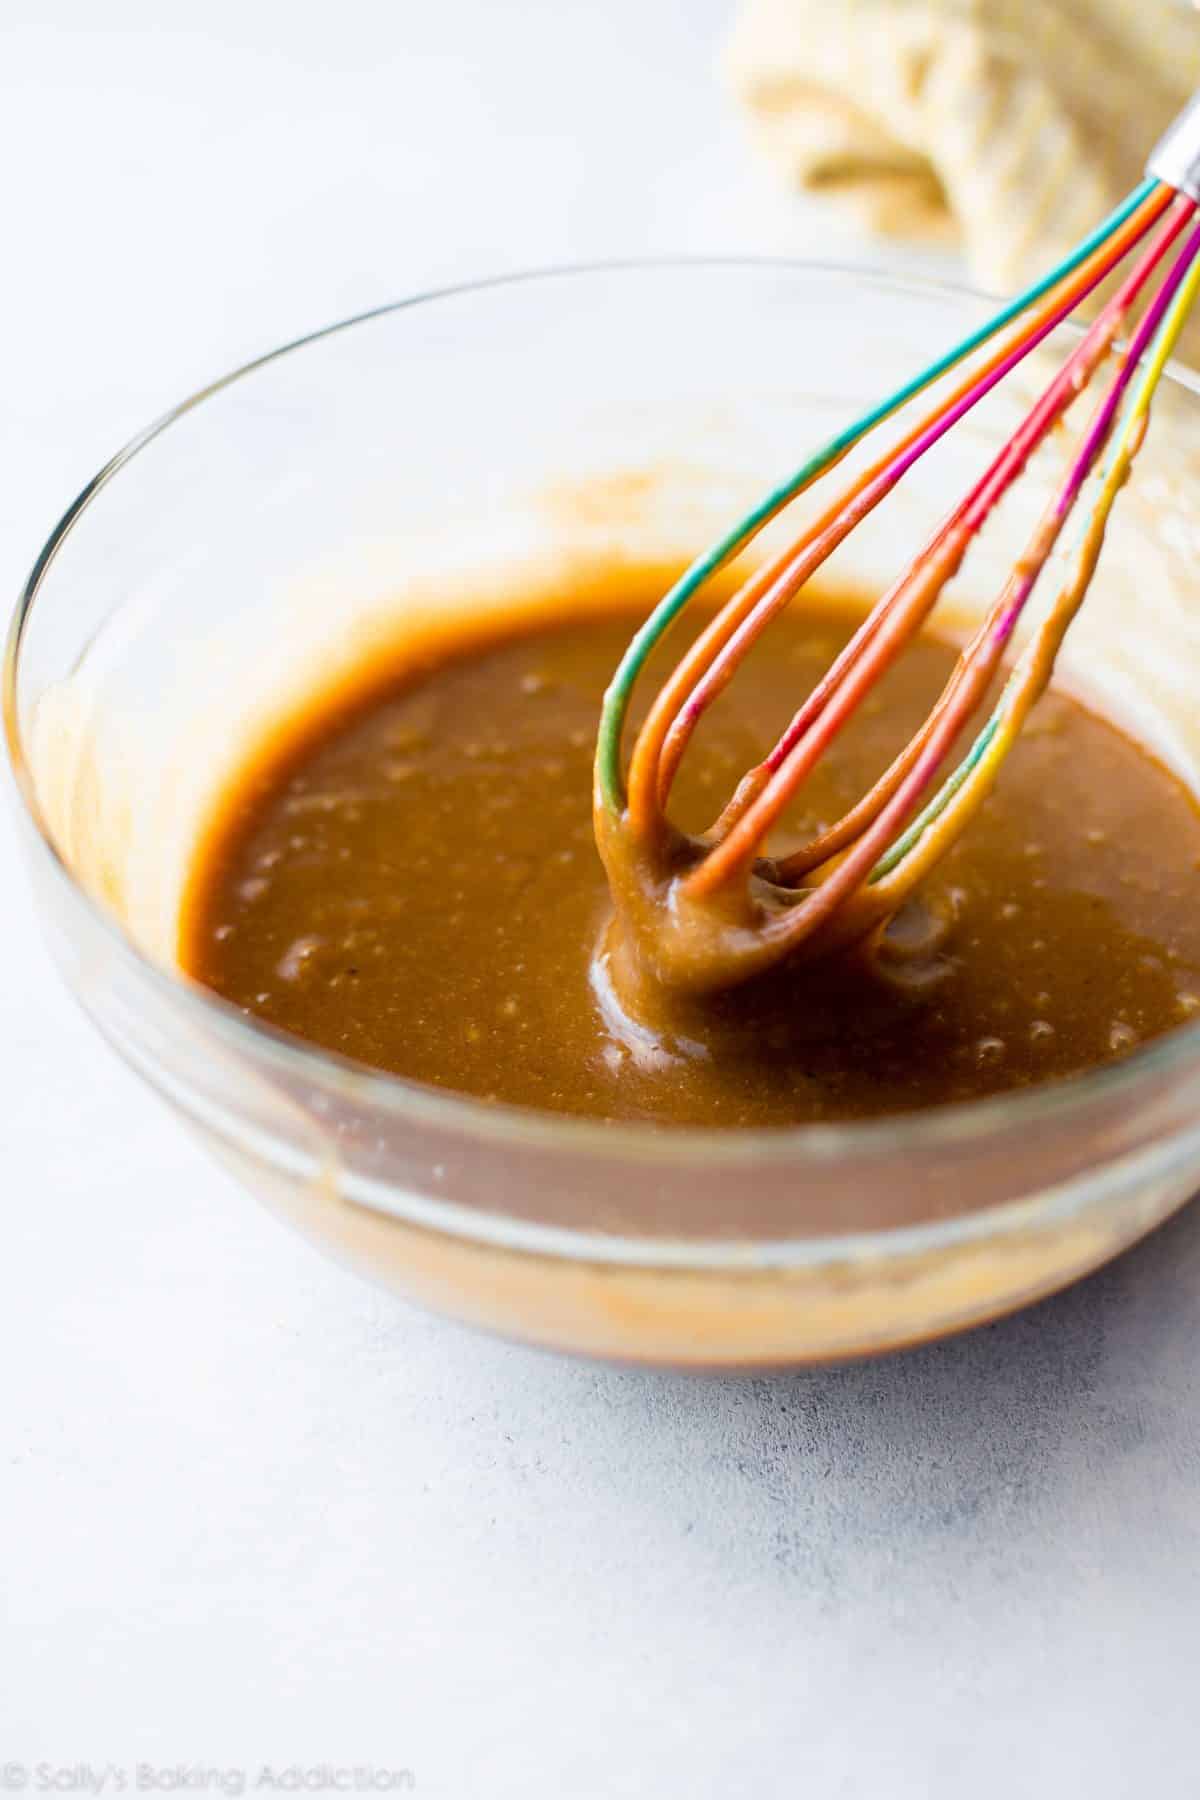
<point x="847" y="881"/>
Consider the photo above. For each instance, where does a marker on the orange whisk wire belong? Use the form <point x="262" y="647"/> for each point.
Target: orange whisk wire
<point x="710" y="663"/>
<point x="896" y="618"/>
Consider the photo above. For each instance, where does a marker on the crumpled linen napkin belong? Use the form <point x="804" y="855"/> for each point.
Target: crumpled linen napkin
<point x="1009" y="126"/>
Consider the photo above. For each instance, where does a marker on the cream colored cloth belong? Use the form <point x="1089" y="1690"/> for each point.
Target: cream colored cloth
<point x="1011" y="126"/>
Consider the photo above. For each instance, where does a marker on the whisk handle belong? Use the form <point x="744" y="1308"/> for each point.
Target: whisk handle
<point x="1175" y="158"/>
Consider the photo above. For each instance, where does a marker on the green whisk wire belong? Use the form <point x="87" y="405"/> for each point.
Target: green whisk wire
<point x="609" y="777"/>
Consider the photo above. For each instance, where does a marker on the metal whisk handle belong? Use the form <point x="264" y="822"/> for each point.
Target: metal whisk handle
<point x="1175" y="158"/>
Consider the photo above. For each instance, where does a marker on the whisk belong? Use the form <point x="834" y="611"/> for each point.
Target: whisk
<point x="712" y="910"/>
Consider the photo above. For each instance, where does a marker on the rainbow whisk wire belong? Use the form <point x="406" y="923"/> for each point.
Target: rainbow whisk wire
<point x="855" y="875"/>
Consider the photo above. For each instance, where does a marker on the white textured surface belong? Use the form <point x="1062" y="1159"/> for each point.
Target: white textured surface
<point x="251" y="1511"/>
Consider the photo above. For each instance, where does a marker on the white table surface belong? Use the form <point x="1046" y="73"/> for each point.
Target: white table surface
<point x="254" y="1513"/>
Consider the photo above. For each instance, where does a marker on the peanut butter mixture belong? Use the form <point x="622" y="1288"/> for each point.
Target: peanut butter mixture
<point x="409" y="879"/>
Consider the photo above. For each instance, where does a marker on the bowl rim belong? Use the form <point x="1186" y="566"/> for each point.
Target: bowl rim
<point x="680" y="1147"/>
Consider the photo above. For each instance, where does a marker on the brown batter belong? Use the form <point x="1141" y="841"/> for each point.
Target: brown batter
<point x="410" y="879"/>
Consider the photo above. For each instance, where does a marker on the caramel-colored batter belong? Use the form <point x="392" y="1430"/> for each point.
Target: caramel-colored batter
<point x="410" y="880"/>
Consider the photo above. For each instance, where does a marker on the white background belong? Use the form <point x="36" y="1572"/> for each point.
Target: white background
<point x="250" y="1510"/>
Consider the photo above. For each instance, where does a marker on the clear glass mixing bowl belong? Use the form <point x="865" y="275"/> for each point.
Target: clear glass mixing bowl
<point x="476" y="442"/>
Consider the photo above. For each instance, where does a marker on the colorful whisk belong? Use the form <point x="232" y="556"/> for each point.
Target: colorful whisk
<point x="846" y="882"/>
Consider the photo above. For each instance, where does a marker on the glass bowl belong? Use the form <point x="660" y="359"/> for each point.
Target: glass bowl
<point x="476" y="443"/>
